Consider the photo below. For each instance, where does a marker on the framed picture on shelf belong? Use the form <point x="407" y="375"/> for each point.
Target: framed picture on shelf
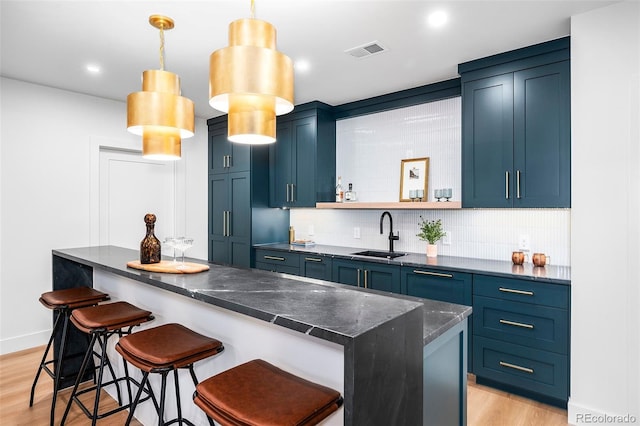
<point x="414" y="179"/>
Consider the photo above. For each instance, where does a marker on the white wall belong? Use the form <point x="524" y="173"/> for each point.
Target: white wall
<point x="45" y="175"/>
<point x="605" y="318"/>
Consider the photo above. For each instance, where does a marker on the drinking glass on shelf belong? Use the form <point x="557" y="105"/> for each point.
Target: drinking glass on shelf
<point x="419" y="194"/>
<point x="437" y="193"/>
<point x="412" y="194"/>
<point x="182" y="244"/>
<point x="447" y="193"/>
<point x="171" y="242"/>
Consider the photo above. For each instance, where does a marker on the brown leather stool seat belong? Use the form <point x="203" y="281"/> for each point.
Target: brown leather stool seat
<point x="161" y="350"/>
<point x="62" y="302"/>
<point x="101" y="322"/>
<point x="259" y="394"/>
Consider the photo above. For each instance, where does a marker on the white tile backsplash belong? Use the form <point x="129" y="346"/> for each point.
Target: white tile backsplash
<point x="369" y="150"/>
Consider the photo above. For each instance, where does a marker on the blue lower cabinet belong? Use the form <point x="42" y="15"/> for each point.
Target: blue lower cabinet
<point x="278" y="261"/>
<point x="314" y="266"/>
<point x="535" y="373"/>
<point x="372" y="275"/>
<point x="446" y="286"/>
<point x="521" y="337"/>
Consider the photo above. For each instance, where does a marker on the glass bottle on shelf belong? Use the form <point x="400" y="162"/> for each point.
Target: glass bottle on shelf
<point x="339" y="191"/>
<point x="350" y="195"/>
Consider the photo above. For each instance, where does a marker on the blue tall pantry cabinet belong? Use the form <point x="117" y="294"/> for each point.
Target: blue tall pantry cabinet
<point x="239" y="213"/>
<point x="516" y="128"/>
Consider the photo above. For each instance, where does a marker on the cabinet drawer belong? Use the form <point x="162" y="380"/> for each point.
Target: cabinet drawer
<point x="278" y="268"/>
<point x="275" y="257"/>
<point x="525" y="291"/>
<point x="314" y="266"/>
<point x="452" y="287"/>
<point x="538" y="327"/>
<point x="534" y="370"/>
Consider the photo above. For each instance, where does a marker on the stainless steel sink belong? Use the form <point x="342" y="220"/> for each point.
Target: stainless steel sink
<point x="384" y="254"/>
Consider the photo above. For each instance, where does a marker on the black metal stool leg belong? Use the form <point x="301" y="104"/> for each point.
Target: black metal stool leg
<point x="56" y="324"/>
<point x="83" y="367"/>
<point x="175" y="379"/>
<point x="96" y="403"/>
<point x="132" y="409"/>
<point x="58" y="369"/>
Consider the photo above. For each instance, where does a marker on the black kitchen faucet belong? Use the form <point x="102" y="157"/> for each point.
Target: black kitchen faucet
<point x="392" y="237"/>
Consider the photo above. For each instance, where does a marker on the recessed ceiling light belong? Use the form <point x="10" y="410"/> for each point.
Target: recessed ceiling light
<point x="302" y="65"/>
<point x="437" y="19"/>
<point x="93" y="69"/>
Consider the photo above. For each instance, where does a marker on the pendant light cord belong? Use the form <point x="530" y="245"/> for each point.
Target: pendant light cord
<point x="253" y="9"/>
<point x="162" y="47"/>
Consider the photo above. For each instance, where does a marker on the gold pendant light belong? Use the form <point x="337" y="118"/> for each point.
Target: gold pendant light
<point x="251" y="81"/>
<point x="159" y="114"/>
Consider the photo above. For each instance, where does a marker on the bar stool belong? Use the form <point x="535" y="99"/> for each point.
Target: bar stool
<point x="164" y="349"/>
<point x="101" y="322"/>
<point x="257" y="393"/>
<point x="62" y="302"/>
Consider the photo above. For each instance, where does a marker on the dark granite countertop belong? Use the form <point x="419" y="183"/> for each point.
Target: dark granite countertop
<point x="549" y="273"/>
<point x="330" y="311"/>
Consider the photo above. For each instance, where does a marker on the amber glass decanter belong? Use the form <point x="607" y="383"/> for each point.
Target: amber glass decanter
<point x="150" y="245"/>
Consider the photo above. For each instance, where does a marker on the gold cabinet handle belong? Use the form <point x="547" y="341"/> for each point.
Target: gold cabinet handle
<point x="434" y="274"/>
<point x="281" y="259"/>
<point x="366" y="279"/>
<point x="516" y="367"/>
<point x="312" y="259"/>
<point x="518" y="184"/>
<point x="510" y="290"/>
<point x="293" y="198"/>
<point x="516" y="324"/>
<point x="228" y="223"/>
<point x="506" y="185"/>
<point x="358" y="277"/>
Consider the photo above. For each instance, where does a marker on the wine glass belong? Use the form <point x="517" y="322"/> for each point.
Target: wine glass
<point x="182" y="244"/>
<point x="447" y="193"/>
<point x="412" y="194"/>
<point x="171" y="242"/>
<point x="419" y="194"/>
<point x="437" y="193"/>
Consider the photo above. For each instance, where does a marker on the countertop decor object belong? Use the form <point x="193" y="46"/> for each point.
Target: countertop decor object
<point x="431" y="231"/>
<point x="169" y="267"/>
<point x="414" y="175"/>
<point x="150" y="248"/>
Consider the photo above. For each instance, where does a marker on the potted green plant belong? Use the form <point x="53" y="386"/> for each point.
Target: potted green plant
<point x="431" y="231"/>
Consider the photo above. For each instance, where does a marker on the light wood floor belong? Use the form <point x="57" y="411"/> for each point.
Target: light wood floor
<point x="486" y="406"/>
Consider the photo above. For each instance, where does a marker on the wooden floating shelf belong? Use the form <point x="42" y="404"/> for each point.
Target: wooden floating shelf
<point x="433" y="205"/>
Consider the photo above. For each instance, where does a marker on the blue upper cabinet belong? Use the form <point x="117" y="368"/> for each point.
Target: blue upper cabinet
<point x="303" y="159"/>
<point x="224" y="155"/>
<point x="516" y="125"/>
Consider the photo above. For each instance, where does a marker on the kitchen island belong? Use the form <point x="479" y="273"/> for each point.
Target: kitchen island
<point x="371" y="347"/>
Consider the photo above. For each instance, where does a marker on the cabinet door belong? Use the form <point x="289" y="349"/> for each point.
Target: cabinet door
<point x="542" y="141"/>
<point x="382" y="277"/>
<point x="239" y="219"/>
<point x="218" y="206"/>
<point x="280" y="166"/>
<point x="487" y="142"/>
<point x="226" y="156"/>
<point x="318" y="267"/>
<point x="346" y="272"/>
<point x="303" y="167"/>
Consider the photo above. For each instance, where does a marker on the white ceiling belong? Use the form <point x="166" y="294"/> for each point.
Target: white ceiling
<point x="50" y="42"/>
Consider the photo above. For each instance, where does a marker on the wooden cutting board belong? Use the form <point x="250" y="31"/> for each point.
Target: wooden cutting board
<point x="169" y="267"/>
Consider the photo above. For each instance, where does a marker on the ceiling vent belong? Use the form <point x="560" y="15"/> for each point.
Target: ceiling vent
<point x="368" y="49"/>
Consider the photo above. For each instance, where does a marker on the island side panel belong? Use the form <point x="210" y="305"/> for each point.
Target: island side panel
<point x="383" y="374"/>
<point x="69" y="274"/>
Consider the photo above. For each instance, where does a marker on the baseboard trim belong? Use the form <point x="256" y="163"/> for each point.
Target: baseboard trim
<point x="26" y="341"/>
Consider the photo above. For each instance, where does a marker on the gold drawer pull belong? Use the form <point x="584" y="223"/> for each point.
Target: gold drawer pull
<point x="510" y="290"/>
<point x="516" y="324"/>
<point x="516" y="367"/>
<point x="281" y="259"/>
<point x="312" y="259"/>
<point x="435" y="274"/>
